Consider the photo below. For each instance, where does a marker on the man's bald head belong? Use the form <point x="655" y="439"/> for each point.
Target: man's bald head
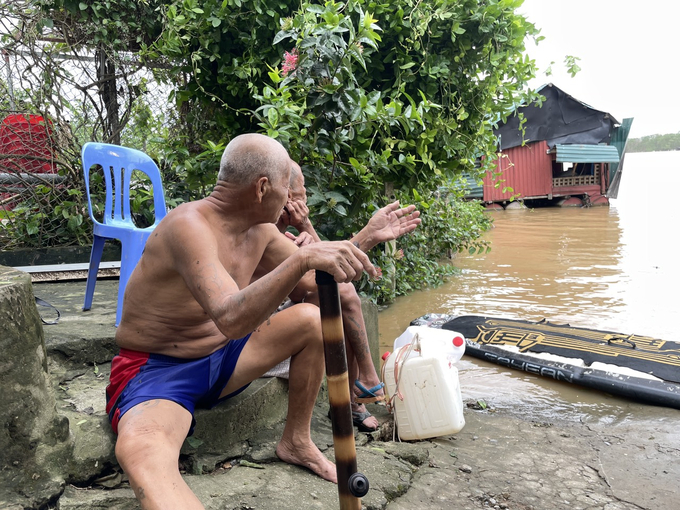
<point x="251" y="156"/>
<point x="297" y="182"/>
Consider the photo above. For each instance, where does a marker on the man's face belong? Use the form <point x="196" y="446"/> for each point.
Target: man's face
<point x="281" y="189"/>
<point x="296" y="192"/>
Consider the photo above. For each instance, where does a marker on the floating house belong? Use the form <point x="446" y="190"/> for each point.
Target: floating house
<point x="567" y="154"/>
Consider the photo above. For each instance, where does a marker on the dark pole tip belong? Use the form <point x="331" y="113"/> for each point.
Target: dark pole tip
<point x="358" y="485"/>
<point x="323" y="278"/>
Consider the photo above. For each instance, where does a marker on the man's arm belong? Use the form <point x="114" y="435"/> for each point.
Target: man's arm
<point x="237" y="312"/>
<point x="194" y="251"/>
<point x="387" y="224"/>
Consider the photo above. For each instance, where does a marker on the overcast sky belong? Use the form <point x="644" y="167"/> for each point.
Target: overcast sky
<point x="629" y="51"/>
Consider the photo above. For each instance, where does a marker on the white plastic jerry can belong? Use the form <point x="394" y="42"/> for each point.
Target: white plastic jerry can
<point x="422" y="384"/>
<point x="451" y="343"/>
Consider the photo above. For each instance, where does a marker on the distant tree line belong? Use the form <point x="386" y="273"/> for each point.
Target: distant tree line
<point x="651" y="143"/>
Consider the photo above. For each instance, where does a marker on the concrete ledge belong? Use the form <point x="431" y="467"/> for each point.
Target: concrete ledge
<point x="56" y="255"/>
<point x="80" y="337"/>
<point x="221" y="433"/>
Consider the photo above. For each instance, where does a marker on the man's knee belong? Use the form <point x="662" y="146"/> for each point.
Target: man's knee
<point x="130" y="453"/>
<point x="308" y="320"/>
<point x="137" y="448"/>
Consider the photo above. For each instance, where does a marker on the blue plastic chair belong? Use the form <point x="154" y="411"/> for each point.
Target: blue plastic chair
<point x="118" y="164"/>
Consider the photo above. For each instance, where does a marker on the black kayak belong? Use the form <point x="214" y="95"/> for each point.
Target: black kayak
<point x="524" y="345"/>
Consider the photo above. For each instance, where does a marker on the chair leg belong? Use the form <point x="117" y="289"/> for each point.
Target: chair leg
<point x="95" y="259"/>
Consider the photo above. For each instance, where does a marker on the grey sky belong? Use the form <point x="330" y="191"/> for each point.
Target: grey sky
<point x="629" y="51"/>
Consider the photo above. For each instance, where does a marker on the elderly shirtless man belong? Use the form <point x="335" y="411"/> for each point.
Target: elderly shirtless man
<point x="365" y="386"/>
<point x="195" y="331"/>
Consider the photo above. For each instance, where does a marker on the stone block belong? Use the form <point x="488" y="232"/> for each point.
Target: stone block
<point x="80" y="337"/>
<point x="222" y="432"/>
<point x="33" y="437"/>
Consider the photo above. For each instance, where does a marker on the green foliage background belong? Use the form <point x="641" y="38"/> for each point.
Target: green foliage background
<point x="388" y="100"/>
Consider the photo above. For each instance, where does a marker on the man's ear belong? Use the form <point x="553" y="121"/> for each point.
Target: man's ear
<point x="262" y="188"/>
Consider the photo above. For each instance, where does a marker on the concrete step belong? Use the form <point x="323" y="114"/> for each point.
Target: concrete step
<point x="390" y="467"/>
<point x="230" y="461"/>
<point x="221" y="433"/>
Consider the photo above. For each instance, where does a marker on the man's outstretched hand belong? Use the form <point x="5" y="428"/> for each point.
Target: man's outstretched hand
<point x="391" y="222"/>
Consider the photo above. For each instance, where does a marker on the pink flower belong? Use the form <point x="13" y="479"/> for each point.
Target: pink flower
<point x="379" y="275"/>
<point x="290" y="61"/>
<point x="399" y="255"/>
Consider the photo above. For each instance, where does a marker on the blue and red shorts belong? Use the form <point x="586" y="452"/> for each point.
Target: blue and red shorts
<point x="137" y="377"/>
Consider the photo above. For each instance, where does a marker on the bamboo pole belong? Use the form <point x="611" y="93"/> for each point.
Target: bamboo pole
<point x="351" y="485"/>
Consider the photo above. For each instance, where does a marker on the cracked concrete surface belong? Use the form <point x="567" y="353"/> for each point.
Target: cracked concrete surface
<point x="502" y="461"/>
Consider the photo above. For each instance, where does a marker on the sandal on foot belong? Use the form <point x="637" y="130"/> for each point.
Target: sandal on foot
<point x="367" y="395"/>
<point x="359" y="418"/>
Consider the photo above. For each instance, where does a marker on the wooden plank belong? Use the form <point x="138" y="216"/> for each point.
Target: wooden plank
<point x="81" y="266"/>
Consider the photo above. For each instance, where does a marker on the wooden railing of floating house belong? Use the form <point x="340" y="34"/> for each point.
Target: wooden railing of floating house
<point x="578" y="180"/>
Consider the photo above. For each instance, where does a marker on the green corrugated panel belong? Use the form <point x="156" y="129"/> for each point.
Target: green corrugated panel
<point x="574" y="153"/>
<point x="619" y="139"/>
<point x="473" y="188"/>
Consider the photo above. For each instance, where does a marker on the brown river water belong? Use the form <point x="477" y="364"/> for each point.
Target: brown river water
<point x="613" y="268"/>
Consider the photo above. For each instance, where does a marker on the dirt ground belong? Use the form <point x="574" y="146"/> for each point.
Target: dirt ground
<point x="501" y="460"/>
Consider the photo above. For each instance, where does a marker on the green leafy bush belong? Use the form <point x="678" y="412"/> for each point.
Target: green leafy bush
<point x="374" y="99"/>
<point x="365" y="121"/>
<point x="28" y="226"/>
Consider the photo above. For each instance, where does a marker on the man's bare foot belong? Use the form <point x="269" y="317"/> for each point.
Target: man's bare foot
<point x="309" y="456"/>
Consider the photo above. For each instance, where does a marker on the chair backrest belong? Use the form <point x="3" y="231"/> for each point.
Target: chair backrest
<point x="118" y="164"/>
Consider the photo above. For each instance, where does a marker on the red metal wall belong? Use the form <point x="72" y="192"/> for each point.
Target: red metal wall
<point x="24" y="134"/>
<point x="527" y="170"/>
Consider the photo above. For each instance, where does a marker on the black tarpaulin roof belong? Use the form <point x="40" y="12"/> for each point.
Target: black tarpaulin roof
<point x="561" y="119"/>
